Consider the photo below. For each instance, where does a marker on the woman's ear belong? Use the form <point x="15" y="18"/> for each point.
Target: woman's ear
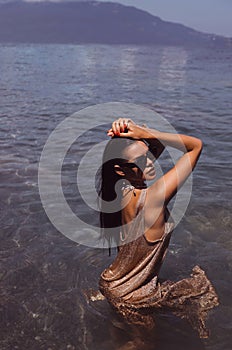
<point x="119" y="170"/>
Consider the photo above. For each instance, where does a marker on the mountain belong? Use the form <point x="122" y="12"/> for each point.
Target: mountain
<point x="94" y="22"/>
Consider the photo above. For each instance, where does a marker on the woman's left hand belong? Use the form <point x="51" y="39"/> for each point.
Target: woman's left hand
<point x="123" y="127"/>
<point x="119" y="126"/>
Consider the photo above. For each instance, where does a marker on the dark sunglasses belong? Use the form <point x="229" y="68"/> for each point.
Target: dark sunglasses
<point x="140" y="162"/>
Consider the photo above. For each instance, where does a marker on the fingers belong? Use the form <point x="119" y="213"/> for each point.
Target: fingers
<point x="119" y="126"/>
<point x="126" y="134"/>
<point x="110" y="133"/>
<point x="124" y="127"/>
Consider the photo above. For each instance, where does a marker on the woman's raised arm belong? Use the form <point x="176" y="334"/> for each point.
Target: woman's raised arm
<point x="167" y="186"/>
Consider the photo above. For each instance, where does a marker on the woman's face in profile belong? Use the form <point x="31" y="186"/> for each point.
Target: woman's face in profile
<point x="139" y="163"/>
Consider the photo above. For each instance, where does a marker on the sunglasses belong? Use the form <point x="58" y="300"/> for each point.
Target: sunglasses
<point x="140" y="162"/>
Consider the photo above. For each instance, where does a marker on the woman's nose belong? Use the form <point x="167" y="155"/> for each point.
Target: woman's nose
<point x="149" y="161"/>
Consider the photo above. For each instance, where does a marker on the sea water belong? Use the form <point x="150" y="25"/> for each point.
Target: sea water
<point x="45" y="277"/>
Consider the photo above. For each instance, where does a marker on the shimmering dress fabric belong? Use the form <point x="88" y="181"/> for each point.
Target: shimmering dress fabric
<point x="131" y="282"/>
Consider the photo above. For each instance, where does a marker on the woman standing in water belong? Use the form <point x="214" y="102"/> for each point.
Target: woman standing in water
<point x="141" y="226"/>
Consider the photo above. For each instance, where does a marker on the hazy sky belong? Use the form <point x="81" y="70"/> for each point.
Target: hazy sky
<point x="211" y="16"/>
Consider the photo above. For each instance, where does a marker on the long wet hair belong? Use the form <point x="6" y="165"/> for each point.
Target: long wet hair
<point x="109" y="189"/>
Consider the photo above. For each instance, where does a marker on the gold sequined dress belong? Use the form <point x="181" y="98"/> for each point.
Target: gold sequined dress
<point x="131" y="285"/>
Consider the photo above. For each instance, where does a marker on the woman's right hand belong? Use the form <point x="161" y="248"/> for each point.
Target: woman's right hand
<point x="124" y="127"/>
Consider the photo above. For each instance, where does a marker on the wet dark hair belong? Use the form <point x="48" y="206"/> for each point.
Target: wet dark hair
<point x="108" y="191"/>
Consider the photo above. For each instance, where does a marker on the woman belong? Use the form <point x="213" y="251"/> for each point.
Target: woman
<point x="136" y="217"/>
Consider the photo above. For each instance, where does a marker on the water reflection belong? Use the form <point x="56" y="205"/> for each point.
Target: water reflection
<point x="128" y="59"/>
<point x="172" y="74"/>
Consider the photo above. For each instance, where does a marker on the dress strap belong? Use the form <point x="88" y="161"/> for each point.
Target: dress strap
<point x="141" y="200"/>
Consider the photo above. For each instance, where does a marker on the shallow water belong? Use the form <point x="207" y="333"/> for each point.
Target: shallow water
<point x="45" y="276"/>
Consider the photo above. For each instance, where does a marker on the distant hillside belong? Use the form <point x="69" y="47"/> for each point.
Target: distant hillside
<point x="94" y="22"/>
